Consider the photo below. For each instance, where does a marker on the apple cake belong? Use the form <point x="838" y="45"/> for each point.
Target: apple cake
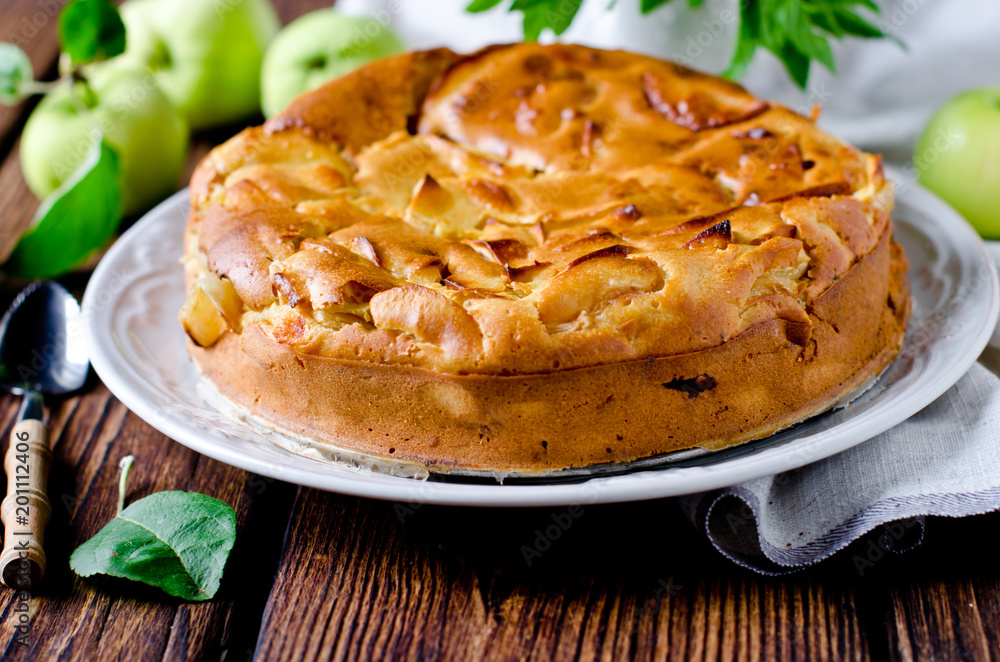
<point x="535" y="258"/>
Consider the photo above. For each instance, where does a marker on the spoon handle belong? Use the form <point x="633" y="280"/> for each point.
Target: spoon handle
<point x="25" y="510"/>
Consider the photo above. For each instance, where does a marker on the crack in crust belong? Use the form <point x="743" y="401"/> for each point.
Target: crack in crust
<point x="528" y="209"/>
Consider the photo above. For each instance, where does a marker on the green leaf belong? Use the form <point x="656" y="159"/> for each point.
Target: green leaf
<point x="521" y="5"/>
<point x="870" y="4"/>
<point x="824" y="54"/>
<point x="772" y="28"/>
<point x="746" y="40"/>
<point x="533" y="23"/>
<point x="556" y="15"/>
<point x="796" y="31"/>
<point x="855" y="25"/>
<point x="796" y="63"/>
<point x="15" y="72"/>
<point x="74" y="221"/>
<point x="561" y="14"/>
<point x="646" y="6"/>
<point x="477" y="6"/>
<point x="176" y="541"/>
<point x="742" y="57"/>
<point x="807" y="42"/>
<point x="91" y="30"/>
<point x="826" y="19"/>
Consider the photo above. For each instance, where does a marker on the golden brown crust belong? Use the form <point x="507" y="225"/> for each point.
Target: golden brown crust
<point x="553" y="215"/>
<point x="368" y="104"/>
<point x="571" y="418"/>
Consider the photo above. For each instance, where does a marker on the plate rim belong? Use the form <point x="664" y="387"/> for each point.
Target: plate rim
<point x="636" y="486"/>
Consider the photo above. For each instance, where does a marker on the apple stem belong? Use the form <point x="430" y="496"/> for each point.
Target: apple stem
<point x="82" y="102"/>
<point x="125" y="465"/>
<point x="68" y="75"/>
<point x="39" y="87"/>
<point x="66" y="67"/>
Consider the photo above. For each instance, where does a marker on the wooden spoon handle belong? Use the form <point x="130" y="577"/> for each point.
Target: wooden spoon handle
<point x="25" y="510"/>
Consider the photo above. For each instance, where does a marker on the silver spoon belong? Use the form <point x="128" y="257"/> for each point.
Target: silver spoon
<point x="42" y="350"/>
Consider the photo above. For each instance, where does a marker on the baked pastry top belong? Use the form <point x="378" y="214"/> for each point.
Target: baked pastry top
<point x="541" y="208"/>
<point x="539" y="257"/>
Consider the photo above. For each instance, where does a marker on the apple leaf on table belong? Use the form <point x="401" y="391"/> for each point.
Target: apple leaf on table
<point x="176" y="541"/>
<point x="74" y="221"/>
<point x="15" y="73"/>
<point x="91" y="30"/>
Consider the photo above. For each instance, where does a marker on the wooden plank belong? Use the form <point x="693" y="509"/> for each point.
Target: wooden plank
<point x="31" y="25"/>
<point x="289" y="10"/>
<point x="384" y="580"/>
<point x="108" y="618"/>
<point x="17" y="203"/>
<point x="943" y="600"/>
<point x="361" y="579"/>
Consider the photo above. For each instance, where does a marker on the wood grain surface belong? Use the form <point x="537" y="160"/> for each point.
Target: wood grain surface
<point x="318" y="576"/>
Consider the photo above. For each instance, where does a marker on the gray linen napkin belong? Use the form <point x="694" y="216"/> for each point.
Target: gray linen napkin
<point x="943" y="461"/>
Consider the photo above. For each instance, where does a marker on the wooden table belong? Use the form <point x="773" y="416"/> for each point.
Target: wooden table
<point x="323" y="576"/>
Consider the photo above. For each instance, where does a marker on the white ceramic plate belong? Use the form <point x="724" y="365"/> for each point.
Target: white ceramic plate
<point x="137" y="347"/>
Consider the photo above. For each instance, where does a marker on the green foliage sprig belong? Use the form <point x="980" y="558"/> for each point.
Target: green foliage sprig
<point x="797" y="32"/>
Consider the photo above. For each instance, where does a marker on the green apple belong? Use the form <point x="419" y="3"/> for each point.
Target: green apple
<point x="136" y="118"/>
<point x="958" y="157"/>
<point x="319" y="47"/>
<point x="206" y="53"/>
